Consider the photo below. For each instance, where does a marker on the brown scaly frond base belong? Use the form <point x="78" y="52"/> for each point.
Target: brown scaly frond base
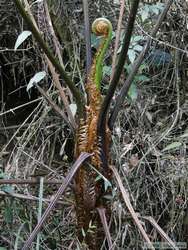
<point x="89" y="186"/>
<point x="89" y="183"/>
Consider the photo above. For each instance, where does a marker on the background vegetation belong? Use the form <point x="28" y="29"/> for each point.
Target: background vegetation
<point x="150" y="136"/>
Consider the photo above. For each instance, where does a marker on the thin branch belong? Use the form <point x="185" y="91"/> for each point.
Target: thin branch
<point x="87" y="36"/>
<point x="54" y="106"/>
<point x="57" y="83"/>
<point x="26" y="197"/>
<point x="29" y="181"/>
<point x="118" y="34"/>
<point x="121" y="97"/>
<point x="80" y="101"/>
<point x="58" y="194"/>
<point x="55" y="41"/>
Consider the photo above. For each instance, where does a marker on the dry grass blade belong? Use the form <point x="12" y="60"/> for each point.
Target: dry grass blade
<point x="161" y="232"/>
<point x="130" y="208"/>
<point x="62" y="188"/>
<point x="102" y="215"/>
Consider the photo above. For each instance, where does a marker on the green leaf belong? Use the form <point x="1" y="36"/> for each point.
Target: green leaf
<point x="173" y="145"/>
<point x="143" y="67"/>
<point x="138" y="47"/>
<point x="3" y="248"/>
<point x="133" y="93"/>
<point x="119" y="50"/>
<point x="35" y="79"/>
<point x="2" y="175"/>
<point x="8" y="214"/>
<point x="83" y="233"/>
<point x="7" y="189"/>
<point x="184" y="135"/>
<point x="136" y="38"/>
<point x="21" y="38"/>
<point x="160" y="6"/>
<point x="131" y="55"/>
<point x="154" y="9"/>
<point x="73" y="108"/>
<point x="142" y="78"/>
<point x="95" y="41"/>
<point x="144" y="15"/>
<point x="107" y="70"/>
<point x="107" y="184"/>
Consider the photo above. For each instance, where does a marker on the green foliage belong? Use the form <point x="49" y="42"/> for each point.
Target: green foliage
<point x="140" y="77"/>
<point x="173" y="145"/>
<point x="9" y="212"/>
<point x="134" y="47"/>
<point x="147" y="11"/>
<point x="39" y="76"/>
<point x="95" y="41"/>
<point x="107" y="70"/>
<point x="21" y="38"/>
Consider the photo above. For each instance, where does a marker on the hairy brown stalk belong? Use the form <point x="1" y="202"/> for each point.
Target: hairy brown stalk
<point x="89" y="192"/>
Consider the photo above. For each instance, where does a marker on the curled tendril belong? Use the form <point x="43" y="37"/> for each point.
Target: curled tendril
<point x="101" y="26"/>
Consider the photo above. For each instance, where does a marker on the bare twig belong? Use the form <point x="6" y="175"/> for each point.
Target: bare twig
<point x="56" y="43"/>
<point x="118" y="34"/>
<point x="26" y="197"/>
<point x="54" y="106"/>
<point x="57" y="83"/>
<point x="60" y="191"/>
<point x="87" y="36"/>
<point x="28" y="181"/>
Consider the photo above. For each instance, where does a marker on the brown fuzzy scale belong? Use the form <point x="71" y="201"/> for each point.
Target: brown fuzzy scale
<point x="88" y="190"/>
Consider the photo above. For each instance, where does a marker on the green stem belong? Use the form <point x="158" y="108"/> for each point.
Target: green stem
<point x="101" y="53"/>
<point x="80" y="101"/>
